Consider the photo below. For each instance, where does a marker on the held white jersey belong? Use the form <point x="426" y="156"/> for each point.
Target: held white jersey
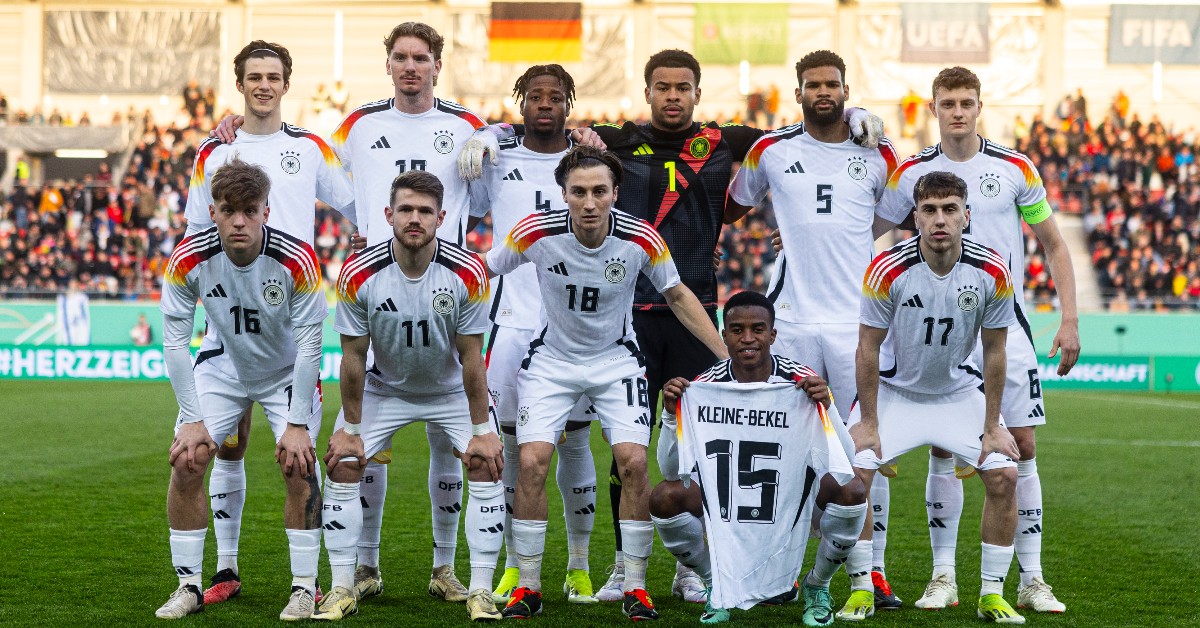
<point x="521" y="185"/>
<point x="302" y="169"/>
<point x="587" y="293"/>
<point x="757" y="451"/>
<point x="825" y="198"/>
<point x="255" y="308"/>
<point x="377" y="142"/>
<point x="413" y="323"/>
<point x="933" y="322"/>
<point x="1003" y="188"/>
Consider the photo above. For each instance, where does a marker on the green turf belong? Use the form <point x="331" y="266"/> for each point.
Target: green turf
<point x="83" y="531"/>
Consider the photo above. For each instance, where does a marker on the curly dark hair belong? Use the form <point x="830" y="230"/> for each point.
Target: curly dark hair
<point x="672" y="58"/>
<point x="552" y="69"/>
<point x="820" y="59"/>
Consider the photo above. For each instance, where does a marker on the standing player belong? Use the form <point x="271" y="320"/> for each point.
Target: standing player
<point x="1009" y="191"/>
<point x="677" y="171"/>
<point x="588" y="349"/>
<point x="926" y="301"/>
<point x="526" y="186"/>
<point x="262" y="289"/>
<point x="677" y="508"/>
<point x="421" y="302"/>
<point x="825" y="189"/>
<point x="302" y="169"/>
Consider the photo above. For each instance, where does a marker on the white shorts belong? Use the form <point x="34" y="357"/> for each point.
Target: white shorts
<point x="828" y="349"/>
<point x="384" y="415"/>
<point x="223" y="400"/>
<point x="907" y="421"/>
<point x="507" y="348"/>
<point x="549" y="390"/>
<point x="1022" y="404"/>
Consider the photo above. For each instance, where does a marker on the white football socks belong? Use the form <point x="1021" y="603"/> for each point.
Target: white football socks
<point x="372" y="492"/>
<point x="485" y="531"/>
<point x="576" y="477"/>
<point x="858" y="564"/>
<point x="529" y="543"/>
<point x="683" y="536"/>
<point x="880" y="506"/>
<point x="637" y="539"/>
<point x="840" y="527"/>
<point x="343" y="520"/>
<point x="993" y="568"/>
<point x="1029" y="521"/>
<point x="304" y="546"/>
<point x="445" y="495"/>
<point x="227" y="498"/>
<point x="943" y="504"/>
<point x="512" y="465"/>
<point x="187" y="555"/>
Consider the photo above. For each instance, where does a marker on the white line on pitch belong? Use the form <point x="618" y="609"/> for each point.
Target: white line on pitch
<point x="1186" y="404"/>
<point x="1116" y="442"/>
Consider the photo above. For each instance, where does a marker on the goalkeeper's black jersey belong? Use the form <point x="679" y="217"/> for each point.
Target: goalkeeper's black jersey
<point x="677" y="182"/>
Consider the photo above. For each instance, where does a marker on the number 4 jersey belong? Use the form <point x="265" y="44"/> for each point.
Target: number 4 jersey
<point x="758" y="451"/>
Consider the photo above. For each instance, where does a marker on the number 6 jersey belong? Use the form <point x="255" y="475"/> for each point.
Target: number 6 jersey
<point x="757" y="450"/>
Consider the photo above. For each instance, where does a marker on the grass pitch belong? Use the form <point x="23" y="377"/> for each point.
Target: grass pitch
<point x="83" y="530"/>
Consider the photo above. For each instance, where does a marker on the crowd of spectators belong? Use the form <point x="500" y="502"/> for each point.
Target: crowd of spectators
<point x="1137" y="185"/>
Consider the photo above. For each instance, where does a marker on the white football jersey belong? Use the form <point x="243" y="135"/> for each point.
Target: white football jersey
<point x="825" y="198"/>
<point x="587" y="293"/>
<point x="377" y="142"/>
<point x="255" y="308"/>
<point x="1003" y="187"/>
<point x="302" y="169"/>
<point x="413" y="323"/>
<point x="933" y="322"/>
<point x="758" y="451"/>
<point x="522" y="185"/>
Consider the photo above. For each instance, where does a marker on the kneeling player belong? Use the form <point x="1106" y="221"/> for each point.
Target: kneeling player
<point x="262" y="290"/>
<point x="588" y="259"/>
<point x="930" y="392"/>
<point x="421" y="303"/>
<point x="677" y="508"/>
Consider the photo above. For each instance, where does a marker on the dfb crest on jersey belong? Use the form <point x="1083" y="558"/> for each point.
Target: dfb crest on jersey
<point x="290" y="162"/>
<point x="857" y="168"/>
<point x="614" y="272"/>
<point x="443" y="142"/>
<point x="443" y="302"/>
<point x="968" y="298"/>
<point x="273" y="291"/>
<point x="523" y="416"/>
<point x="699" y="147"/>
<point x="989" y="185"/>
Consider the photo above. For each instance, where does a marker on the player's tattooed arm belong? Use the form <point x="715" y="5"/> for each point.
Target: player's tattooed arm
<point x="866" y="367"/>
<point x="312" y="504"/>
<point x="996" y="438"/>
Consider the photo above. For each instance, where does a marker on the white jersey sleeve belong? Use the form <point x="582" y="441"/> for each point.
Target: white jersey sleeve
<point x="199" y="195"/>
<point x="656" y="261"/>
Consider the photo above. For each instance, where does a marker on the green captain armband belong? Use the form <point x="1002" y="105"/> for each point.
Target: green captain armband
<point x="1033" y="214"/>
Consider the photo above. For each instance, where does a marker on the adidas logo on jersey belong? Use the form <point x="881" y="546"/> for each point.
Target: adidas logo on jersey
<point x="644" y="149"/>
<point x="915" y="301"/>
<point x="643" y="420"/>
<point x="1038" y="412"/>
<point x="386" y="306"/>
<point x="216" y="292"/>
<point x="795" y="168"/>
<point x="515" y="175"/>
<point x="559" y="269"/>
<point x="381" y="143"/>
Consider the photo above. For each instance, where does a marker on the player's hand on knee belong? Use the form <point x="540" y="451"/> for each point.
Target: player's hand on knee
<point x="226" y="130"/>
<point x="672" y="391"/>
<point x="294" y="452"/>
<point x="188" y="441"/>
<point x="358" y="241"/>
<point x="588" y="137"/>
<point x="487" y="449"/>
<point x="816" y="388"/>
<point x="776" y="241"/>
<point x="866" y="127"/>
<point x="470" y="159"/>
<point x="343" y="446"/>
<point x="999" y="440"/>
<point x="866" y="437"/>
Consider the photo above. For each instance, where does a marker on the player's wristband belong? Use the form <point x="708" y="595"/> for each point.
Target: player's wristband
<point x="353" y="429"/>
<point x="479" y="429"/>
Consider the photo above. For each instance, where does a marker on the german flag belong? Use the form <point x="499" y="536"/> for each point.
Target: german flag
<point x="536" y="32"/>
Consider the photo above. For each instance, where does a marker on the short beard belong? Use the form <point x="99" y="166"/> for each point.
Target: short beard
<point x="815" y="118"/>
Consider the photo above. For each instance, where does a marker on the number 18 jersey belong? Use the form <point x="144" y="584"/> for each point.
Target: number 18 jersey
<point x="413" y="323"/>
<point x="757" y="451"/>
